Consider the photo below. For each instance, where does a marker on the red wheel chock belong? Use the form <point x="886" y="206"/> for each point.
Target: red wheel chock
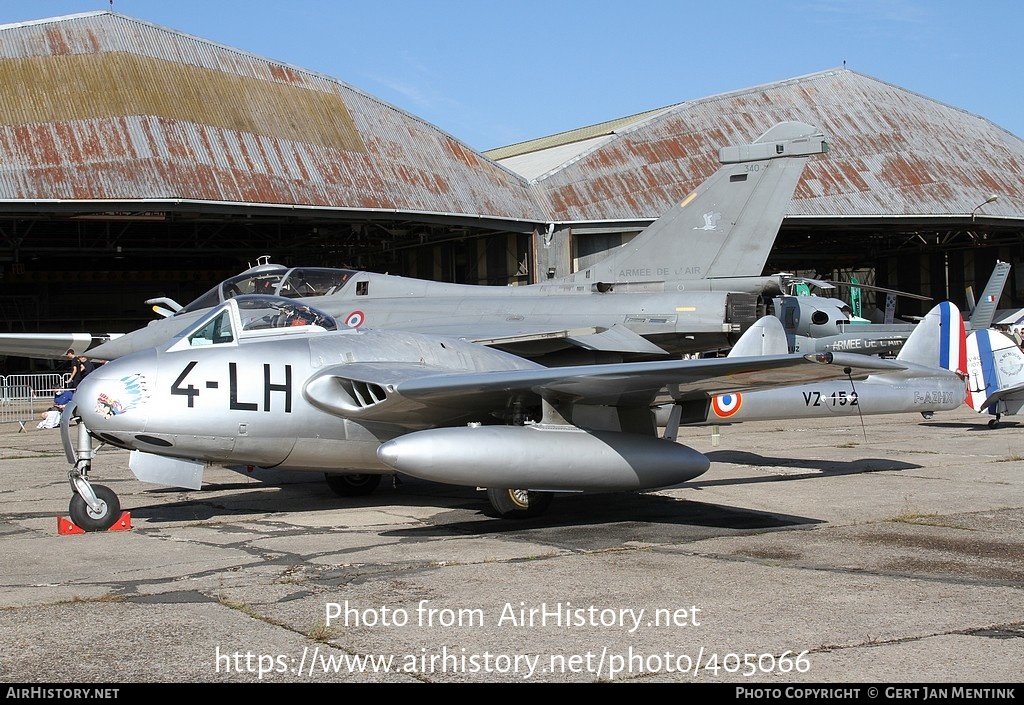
<point x="66" y="526"/>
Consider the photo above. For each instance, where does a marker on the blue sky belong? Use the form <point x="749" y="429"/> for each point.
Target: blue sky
<point x="495" y="72"/>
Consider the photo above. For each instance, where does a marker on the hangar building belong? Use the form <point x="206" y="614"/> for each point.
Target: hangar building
<point x="140" y="161"/>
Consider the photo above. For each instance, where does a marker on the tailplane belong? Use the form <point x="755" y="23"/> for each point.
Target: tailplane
<point x="939" y="340"/>
<point x="727" y="227"/>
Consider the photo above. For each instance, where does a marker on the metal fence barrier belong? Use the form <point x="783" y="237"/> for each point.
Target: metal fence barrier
<point x="23" y="396"/>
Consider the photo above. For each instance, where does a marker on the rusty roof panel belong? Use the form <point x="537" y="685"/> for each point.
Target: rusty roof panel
<point x="891" y="151"/>
<point x="104" y="106"/>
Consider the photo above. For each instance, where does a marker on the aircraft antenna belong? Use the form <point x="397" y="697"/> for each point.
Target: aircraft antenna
<point x="860" y="412"/>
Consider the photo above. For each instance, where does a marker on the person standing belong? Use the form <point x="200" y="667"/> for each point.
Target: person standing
<point x="80" y="369"/>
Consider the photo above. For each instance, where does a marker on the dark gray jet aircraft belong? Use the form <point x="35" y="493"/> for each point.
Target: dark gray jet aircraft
<point x="690" y="282"/>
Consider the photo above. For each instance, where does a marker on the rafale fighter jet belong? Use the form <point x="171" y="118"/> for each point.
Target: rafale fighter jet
<point x="270" y="382"/>
<point x="690" y="282"/>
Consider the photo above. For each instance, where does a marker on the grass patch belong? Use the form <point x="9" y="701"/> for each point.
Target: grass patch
<point x="322" y="633"/>
<point x="1011" y="458"/>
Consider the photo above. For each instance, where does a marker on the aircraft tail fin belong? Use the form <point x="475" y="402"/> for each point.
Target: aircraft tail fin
<point x="766" y="336"/>
<point x="728" y="225"/>
<point x="995" y="368"/>
<point x="985" y="308"/>
<point x="939" y="340"/>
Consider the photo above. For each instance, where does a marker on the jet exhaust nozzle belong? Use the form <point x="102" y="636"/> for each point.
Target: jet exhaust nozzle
<point x="543" y="458"/>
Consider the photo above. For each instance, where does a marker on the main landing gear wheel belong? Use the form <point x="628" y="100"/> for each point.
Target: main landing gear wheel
<point x="992" y="423"/>
<point x="352" y="485"/>
<point x="518" y="504"/>
<point x="100" y="519"/>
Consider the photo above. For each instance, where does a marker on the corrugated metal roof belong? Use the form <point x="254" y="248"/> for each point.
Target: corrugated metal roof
<point x="892" y="152"/>
<point x="104" y="106"/>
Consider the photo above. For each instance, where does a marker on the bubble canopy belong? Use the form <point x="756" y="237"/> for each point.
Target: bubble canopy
<point x="251" y="315"/>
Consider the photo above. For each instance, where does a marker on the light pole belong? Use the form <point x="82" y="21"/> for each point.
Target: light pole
<point x="991" y="199"/>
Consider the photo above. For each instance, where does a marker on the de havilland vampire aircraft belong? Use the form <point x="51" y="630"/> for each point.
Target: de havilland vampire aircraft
<point x="932" y="379"/>
<point x="269" y="382"/>
<point x="688" y="283"/>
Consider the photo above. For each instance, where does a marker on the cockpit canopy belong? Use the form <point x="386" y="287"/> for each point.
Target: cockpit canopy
<point x="254" y="315"/>
<point x="276" y="280"/>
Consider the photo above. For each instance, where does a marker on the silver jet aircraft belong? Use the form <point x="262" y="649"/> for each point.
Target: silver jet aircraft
<point x="272" y="383"/>
<point x="690" y="282"/>
<point x="933" y="378"/>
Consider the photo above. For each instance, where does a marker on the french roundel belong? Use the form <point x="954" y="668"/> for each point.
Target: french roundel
<point x="725" y="405"/>
<point x="355" y="319"/>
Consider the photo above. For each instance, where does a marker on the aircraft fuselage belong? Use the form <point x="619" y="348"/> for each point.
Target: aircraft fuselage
<point x="532" y="321"/>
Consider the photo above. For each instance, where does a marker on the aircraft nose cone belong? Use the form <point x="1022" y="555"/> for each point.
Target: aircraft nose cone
<point x="115" y="395"/>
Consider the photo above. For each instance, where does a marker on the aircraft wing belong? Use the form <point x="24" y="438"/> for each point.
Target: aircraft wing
<point x="47" y="345"/>
<point x="512" y="338"/>
<point x="382" y="392"/>
<point x="615" y="339"/>
<point x="1010" y="394"/>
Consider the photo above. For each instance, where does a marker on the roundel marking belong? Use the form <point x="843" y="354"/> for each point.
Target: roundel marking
<point x="355" y="319"/>
<point x="725" y="405"/>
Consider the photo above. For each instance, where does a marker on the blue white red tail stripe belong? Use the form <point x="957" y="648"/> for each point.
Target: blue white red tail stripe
<point x="953" y="339"/>
<point x="984" y="382"/>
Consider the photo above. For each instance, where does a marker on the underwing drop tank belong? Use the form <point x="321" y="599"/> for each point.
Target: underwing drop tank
<point x="543" y="458"/>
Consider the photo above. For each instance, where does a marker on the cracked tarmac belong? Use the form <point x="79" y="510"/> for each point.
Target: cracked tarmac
<point x="891" y="552"/>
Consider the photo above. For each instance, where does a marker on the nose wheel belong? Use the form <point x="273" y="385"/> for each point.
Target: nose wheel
<point x="92" y="507"/>
<point x="98" y="515"/>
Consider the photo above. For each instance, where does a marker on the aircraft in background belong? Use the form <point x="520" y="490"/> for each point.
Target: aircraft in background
<point x="982" y="313"/>
<point x="934" y="360"/>
<point x="270" y="382"/>
<point x="689" y="282"/>
<point x="820" y="324"/>
<point x="995" y="367"/>
<point x="824" y="323"/>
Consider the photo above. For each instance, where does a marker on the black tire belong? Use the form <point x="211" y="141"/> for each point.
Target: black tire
<point x="518" y="504"/>
<point x="88" y="520"/>
<point x="352" y="485"/>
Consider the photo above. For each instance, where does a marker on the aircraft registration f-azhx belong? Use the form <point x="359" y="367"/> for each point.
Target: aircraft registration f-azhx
<point x="246" y="386"/>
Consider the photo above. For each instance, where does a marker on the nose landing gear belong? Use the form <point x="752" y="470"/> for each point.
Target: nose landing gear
<point x="92" y="507"/>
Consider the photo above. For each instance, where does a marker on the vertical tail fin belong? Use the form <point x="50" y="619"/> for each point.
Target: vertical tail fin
<point x="939" y="340"/>
<point x="765" y="337"/>
<point x="985" y="308"/>
<point x="726" y="228"/>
